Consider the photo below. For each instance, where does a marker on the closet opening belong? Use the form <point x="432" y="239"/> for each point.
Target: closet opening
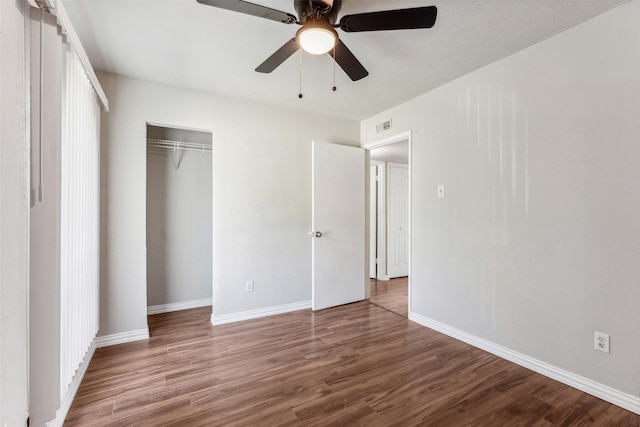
<point x="179" y="218"/>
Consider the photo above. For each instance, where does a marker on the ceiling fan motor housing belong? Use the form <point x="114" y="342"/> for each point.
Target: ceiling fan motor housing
<point x="317" y="10"/>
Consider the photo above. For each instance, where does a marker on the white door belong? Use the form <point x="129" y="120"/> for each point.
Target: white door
<point x="398" y="221"/>
<point x="338" y="218"/>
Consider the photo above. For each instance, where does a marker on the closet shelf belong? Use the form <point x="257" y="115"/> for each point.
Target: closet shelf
<point x="178" y="145"/>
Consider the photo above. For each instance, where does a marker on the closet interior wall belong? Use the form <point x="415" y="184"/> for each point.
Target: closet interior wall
<point x="179" y="220"/>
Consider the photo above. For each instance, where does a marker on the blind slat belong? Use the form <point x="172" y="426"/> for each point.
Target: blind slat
<point x="79" y="219"/>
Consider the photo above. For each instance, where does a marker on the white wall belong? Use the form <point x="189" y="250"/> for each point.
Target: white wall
<point x="535" y="245"/>
<point x="14" y="210"/>
<point x="179" y="227"/>
<point x="44" y="246"/>
<point x="261" y="196"/>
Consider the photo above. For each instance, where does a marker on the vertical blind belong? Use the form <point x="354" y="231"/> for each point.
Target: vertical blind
<point x="79" y="218"/>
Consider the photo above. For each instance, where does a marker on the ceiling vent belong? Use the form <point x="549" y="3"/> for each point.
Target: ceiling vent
<point x="386" y="125"/>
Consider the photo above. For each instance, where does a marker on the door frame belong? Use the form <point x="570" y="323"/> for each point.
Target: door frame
<point x="213" y="285"/>
<point x="381" y="219"/>
<point x="404" y="136"/>
<point x="373" y="219"/>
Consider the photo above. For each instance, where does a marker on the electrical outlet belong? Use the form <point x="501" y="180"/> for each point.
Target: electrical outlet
<point x="601" y="342"/>
<point x="248" y="287"/>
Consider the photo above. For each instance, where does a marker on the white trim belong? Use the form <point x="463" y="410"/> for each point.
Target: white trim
<point x="381" y="206"/>
<point x="604" y="392"/>
<point x="390" y="140"/>
<point x="181" y="127"/>
<point x="261" y="312"/>
<point x="177" y="306"/>
<point x="372" y="218"/>
<point x="121" y="338"/>
<point x="61" y="413"/>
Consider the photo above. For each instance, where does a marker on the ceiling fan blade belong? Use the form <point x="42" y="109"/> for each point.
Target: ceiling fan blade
<point x="251" y="9"/>
<point x="278" y="57"/>
<point x="400" y="19"/>
<point x="348" y="62"/>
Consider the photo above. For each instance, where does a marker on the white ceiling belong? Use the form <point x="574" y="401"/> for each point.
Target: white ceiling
<point x="186" y="44"/>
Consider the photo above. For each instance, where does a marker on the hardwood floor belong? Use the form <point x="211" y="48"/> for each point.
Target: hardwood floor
<point x="358" y="364"/>
<point x="390" y="294"/>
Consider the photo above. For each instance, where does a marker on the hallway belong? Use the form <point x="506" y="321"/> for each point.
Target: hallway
<point x="391" y="294"/>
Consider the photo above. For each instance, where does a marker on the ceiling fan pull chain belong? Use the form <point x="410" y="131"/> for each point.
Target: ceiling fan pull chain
<point x="334" y="88"/>
<point x="300" y="92"/>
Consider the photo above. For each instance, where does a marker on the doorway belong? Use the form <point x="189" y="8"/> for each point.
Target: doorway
<point x="389" y="231"/>
<point x="179" y="218"/>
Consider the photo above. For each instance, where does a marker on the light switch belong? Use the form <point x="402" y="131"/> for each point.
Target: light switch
<point x="440" y="191"/>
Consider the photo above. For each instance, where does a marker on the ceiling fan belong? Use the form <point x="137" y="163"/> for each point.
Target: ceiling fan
<point x="318" y="36"/>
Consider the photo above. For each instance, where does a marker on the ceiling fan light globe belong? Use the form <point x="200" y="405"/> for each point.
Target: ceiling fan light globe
<point x="317" y="40"/>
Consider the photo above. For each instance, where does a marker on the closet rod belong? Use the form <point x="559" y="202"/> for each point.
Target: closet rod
<point x="178" y="145"/>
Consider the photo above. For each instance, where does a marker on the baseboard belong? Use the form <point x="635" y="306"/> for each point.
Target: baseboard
<point x="604" y="392"/>
<point x="121" y="338"/>
<point x="177" y="306"/>
<point x="61" y="413"/>
<point x="262" y="312"/>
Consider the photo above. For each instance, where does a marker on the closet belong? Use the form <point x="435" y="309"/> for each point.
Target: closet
<point x="179" y="218"/>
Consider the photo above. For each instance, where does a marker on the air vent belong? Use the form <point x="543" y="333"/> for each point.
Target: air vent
<point x="386" y="125"/>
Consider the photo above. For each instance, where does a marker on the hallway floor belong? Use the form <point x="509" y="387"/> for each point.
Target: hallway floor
<point x="391" y="294"/>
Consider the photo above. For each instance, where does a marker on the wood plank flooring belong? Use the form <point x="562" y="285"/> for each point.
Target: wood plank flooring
<point x="358" y="364"/>
<point x="390" y="294"/>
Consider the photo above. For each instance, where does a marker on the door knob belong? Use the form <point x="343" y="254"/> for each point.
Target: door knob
<point x="315" y="234"/>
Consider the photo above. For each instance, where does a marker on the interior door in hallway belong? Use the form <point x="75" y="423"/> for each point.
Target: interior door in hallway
<point x="338" y="220"/>
<point x="398" y="220"/>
